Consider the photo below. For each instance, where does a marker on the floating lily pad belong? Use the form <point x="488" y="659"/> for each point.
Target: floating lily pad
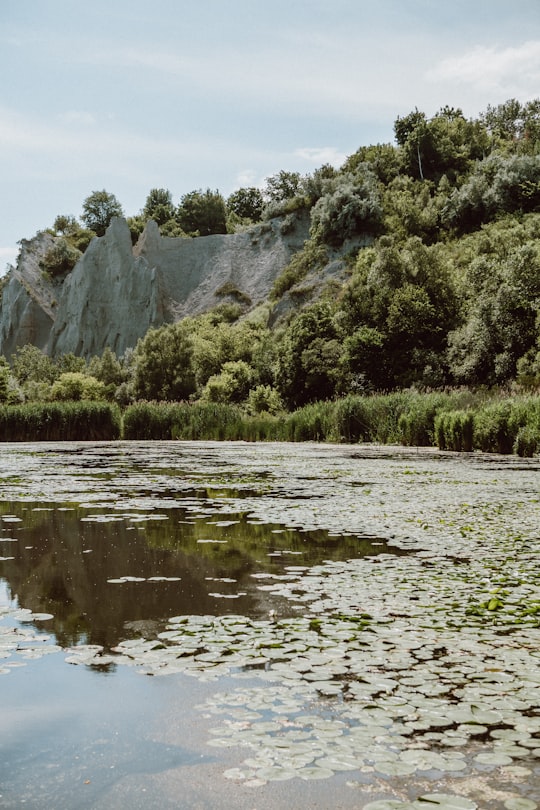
<point x="520" y="804"/>
<point x="446" y="801"/>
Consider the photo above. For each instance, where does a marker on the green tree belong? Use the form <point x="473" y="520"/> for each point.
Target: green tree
<point x="30" y="364"/>
<point x="383" y="159"/>
<point x="159" y="206"/>
<point x="70" y="363"/>
<point x="74" y="385"/>
<point x="397" y="311"/>
<point x="282" y="186"/>
<point x="65" y="224"/>
<point x="61" y="258"/>
<point x="446" y="143"/>
<point x="202" y="213"/>
<point x="10" y="393"/>
<point x="110" y="371"/>
<point x="75" y="235"/>
<point x="264" y="399"/>
<point x="309" y="357"/>
<point x="351" y="206"/>
<point x="498" y="185"/>
<point x="163" y="363"/>
<point x="514" y="127"/>
<point x="232" y="384"/>
<point x="246" y="203"/>
<point x="501" y="323"/>
<point x="413" y="208"/>
<point x="99" y="209"/>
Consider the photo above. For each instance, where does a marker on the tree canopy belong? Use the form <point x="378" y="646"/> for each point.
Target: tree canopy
<point x="99" y="208"/>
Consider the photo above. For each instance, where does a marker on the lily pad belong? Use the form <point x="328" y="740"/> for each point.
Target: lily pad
<point x="446" y="801"/>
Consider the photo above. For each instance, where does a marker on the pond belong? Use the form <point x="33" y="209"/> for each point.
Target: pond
<point x="254" y="625"/>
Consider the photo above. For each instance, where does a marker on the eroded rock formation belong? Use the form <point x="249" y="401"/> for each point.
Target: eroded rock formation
<point x="115" y="293"/>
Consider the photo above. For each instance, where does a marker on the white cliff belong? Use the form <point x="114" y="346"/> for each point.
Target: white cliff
<point x="115" y="293"/>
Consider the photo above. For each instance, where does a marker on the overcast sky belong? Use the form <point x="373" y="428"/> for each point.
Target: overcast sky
<point x="129" y="95"/>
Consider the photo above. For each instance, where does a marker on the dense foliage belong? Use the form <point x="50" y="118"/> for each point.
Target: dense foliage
<point x="430" y="252"/>
<point x="67" y="421"/>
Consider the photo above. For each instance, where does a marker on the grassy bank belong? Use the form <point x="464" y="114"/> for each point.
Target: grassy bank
<point x="459" y="420"/>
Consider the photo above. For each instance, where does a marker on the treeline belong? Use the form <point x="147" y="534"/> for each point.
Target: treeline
<point x="421" y="272"/>
<point x="458" y="421"/>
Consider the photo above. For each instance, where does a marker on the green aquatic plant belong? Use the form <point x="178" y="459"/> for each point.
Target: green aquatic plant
<point x="60" y="421"/>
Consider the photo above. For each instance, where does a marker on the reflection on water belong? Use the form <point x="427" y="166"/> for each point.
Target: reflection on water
<point x="106" y="576"/>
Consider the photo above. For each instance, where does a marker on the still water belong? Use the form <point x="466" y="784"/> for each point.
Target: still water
<point x="100" y="544"/>
<point x="206" y="625"/>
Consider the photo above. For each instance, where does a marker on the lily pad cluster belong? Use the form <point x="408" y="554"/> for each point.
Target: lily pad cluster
<point x="420" y="666"/>
<point x="20" y="644"/>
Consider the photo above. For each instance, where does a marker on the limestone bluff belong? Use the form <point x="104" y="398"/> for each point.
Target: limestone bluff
<point x="116" y="292"/>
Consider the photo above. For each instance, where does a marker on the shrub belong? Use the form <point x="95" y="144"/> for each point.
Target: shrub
<point x="353" y="207"/>
<point x="311" y="257"/>
<point x="74" y="385"/>
<point x="61" y="258"/>
<point x="264" y="399"/>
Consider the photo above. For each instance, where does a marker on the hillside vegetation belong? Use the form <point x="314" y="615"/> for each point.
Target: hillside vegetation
<point x="421" y="271"/>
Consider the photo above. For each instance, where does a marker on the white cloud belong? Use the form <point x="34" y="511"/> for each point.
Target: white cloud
<point x="247" y="178"/>
<point x="514" y="71"/>
<point x="322" y="155"/>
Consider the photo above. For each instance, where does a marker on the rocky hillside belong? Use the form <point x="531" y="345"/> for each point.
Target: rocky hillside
<point x="115" y="293"/>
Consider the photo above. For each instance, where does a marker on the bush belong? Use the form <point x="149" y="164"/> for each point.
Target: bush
<point x="74" y="385"/>
<point x="264" y="399"/>
<point x="61" y="258"/>
<point x="351" y="208"/>
<point x="311" y="257"/>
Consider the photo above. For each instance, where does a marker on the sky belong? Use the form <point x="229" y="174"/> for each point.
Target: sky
<point x="130" y="95"/>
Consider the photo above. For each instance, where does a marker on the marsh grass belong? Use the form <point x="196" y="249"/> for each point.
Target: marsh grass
<point x="60" y="421"/>
<point x="454" y="430"/>
<point x="458" y="420"/>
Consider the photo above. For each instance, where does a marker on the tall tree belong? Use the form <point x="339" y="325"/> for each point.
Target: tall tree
<point x="159" y="206"/>
<point x="99" y="208"/>
<point x="246" y="203"/>
<point x="202" y="213"/>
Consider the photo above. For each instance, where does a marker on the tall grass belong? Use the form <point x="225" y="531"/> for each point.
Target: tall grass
<point x="500" y="425"/>
<point x="60" y="421"/>
<point x="454" y="430"/>
<point x="457" y="420"/>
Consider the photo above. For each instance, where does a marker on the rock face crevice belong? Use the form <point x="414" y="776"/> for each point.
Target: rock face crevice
<point x="29" y="299"/>
<point x="115" y="292"/>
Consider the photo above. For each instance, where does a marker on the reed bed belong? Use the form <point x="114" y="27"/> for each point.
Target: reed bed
<point x="60" y="421"/>
<point x="458" y="420"/>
